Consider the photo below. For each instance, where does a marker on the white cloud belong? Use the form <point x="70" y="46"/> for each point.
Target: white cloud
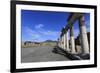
<point x="39" y="26"/>
<point x="40" y="34"/>
<point x="33" y="34"/>
<point x="49" y="32"/>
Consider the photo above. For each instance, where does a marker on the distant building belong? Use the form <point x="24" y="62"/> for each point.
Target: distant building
<point x="34" y="44"/>
<point x="29" y="43"/>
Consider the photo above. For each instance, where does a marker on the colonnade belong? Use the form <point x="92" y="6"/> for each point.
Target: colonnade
<point x="63" y="41"/>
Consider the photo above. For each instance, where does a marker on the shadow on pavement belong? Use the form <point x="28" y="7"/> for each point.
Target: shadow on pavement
<point x="58" y="50"/>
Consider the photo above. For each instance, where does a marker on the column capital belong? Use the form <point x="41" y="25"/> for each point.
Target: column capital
<point x="82" y="21"/>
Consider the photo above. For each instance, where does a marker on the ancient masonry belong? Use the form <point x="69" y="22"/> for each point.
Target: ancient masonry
<point x="63" y="39"/>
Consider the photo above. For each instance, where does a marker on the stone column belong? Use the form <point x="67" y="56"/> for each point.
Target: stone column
<point x="64" y="41"/>
<point x="83" y="34"/>
<point x="72" y="41"/>
<point x="61" y="42"/>
<point x="58" y="44"/>
<point x="67" y="43"/>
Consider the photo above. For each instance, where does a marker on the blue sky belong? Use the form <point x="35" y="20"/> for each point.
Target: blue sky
<point x="45" y="25"/>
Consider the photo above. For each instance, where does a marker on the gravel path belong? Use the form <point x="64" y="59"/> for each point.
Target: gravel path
<point x="40" y="54"/>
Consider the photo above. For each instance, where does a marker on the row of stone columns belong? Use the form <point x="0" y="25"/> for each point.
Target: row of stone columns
<point x="64" y="42"/>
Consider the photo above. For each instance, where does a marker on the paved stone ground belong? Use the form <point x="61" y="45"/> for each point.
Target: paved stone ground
<point x="40" y="54"/>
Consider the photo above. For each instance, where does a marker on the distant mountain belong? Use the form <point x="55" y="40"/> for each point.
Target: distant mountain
<point x="50" y="41"/>
<point x="38" y="42"/>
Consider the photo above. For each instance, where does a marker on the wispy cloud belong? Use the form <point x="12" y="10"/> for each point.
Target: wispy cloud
<point x="29" y="35"/>
<point x="49" y="32"/>
<point x="40" y="34"/>
<point x="40" y="29"/>
<point x="39" y="26"/>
